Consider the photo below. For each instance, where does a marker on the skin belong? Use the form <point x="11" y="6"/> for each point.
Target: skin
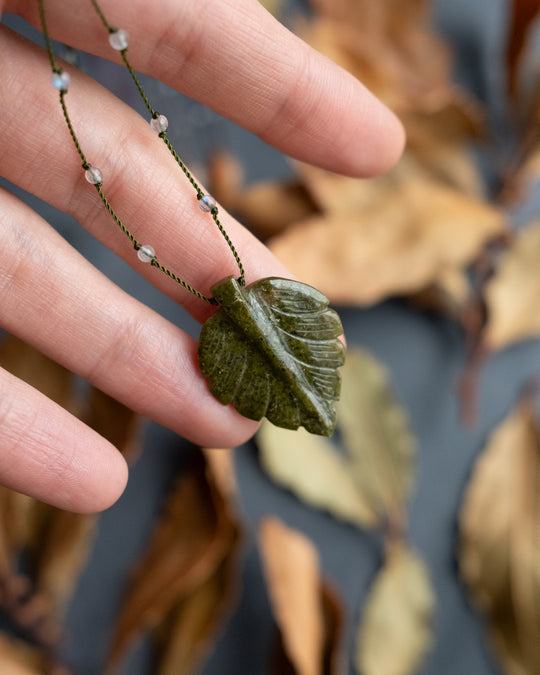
<point x="51" y="297"/>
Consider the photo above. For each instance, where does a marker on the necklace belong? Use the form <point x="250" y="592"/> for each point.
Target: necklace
<point x="271" y="349"/>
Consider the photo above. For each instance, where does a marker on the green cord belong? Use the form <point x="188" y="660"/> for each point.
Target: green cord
<point x="162" y="135"/>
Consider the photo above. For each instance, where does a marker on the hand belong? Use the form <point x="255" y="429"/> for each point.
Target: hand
<point x="232" y="56"/>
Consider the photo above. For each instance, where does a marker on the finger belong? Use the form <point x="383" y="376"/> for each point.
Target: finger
<point x="55" y="300"/>
<point x="141" y="180"/>
<point x="236" y="58"/>
<point x="48" y="454"/>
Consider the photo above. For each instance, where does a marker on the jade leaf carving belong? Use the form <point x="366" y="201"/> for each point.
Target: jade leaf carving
<point x="272" y="350"/>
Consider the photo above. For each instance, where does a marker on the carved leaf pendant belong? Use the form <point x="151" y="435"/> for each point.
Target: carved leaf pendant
<point x="272" y="350"/>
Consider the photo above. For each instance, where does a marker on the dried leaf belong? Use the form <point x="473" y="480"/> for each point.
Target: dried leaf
<point x="396" y="627"/>
<point x="26" y="363"/>
<point x="524" y="12"/>
<point x="221" y="465"/>
<point x="14" y="527"/>
<point x="500" y="539"/>
<point x="187" y="634"/>
<point x="313" y="469"/>
<point x="267" y="208"/>
<point x="393" y="241"/>
<point x="272" y="350"/>
<point x="512" y="295"/>
<point x="196" y="532"/>
<point x="60" y="543"/>
<point x="291" y="567"/>
<point x="19" y="658"/>
<point x="369" y="480"/>
<point x="376" y="434"/>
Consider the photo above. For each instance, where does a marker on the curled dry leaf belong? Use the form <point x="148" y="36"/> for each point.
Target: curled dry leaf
<point x="396" y="628"/>
<point x="291" y="567"/>
<point x="195" y="534"/>
<point x="500" y="539"/>
<point x="512" y="294"/>
<point x="407" y="233"/>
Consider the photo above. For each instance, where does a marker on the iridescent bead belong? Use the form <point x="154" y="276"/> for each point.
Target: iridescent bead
<point x="146" y="254"/>
<point x="93" y="175"/>
<point x="118" y="40"/>
<point x="61" y="81"/>
<point x="207" y="204"/>
<point x="159" y="124"/>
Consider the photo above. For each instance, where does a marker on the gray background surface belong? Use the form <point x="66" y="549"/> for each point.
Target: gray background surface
<point x="424" y="355"/>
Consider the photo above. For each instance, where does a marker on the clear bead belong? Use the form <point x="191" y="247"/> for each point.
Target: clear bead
<point x="159" y="124"/>
<point x="118" y="40"/>
<point x="207" y="204"/>
<point x="146" y="254"/>
<point x="93" y="175"/>
<point x="61" y="81"/>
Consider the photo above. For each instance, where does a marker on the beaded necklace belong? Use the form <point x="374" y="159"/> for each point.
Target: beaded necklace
<point x="272" y="348"/>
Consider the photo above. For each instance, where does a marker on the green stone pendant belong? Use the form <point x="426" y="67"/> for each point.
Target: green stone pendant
<point x="272" y="350"/>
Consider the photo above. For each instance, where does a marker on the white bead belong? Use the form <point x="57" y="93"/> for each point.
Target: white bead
<point x="61" y="81"/>
<point x="118" y="40"/>
<point x="159" y="124"/>
<point x="93" y="175"/>
<point x="146" y="254"/>
<point x="206" y="204"/>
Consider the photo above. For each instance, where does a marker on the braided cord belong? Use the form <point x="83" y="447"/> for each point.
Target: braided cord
<point x="163" y="135"/>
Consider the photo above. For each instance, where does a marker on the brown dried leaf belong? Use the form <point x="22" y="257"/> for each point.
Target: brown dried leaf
<point x="221" y="465"/>
<point x="384" y="45"/>
<point x="524" y="12"/>
<point x="314" y="470"/>
<point x="60" y="543"/>
<point x="187" y="634"/>
<point x="267" y="208"/>
<point x="500" y="539"/>
<point x="15" y="511"/>
<point x="19" y="658"/>
<point x="394" y="241"/>
<point x="196" y="532"/>
<point x="396" y="627"/>
<point x="26" y="363"/>
<point x="291" y="567"/>
<point x="512" y="294"/>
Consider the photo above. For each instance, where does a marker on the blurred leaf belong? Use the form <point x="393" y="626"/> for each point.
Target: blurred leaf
<point x="313" y="469"/>
<point x="273" y="6"/>
<point x="190" y="542"/>
<point x="384" y="44"/>
<point x="291" y="568"/>
<point x="221" y="465"/>
<point x="500" y="539"/>
<point x="30" y="365"/>
<point x="268" y="207"/>
<point x="15" y="511"/>
<point x="20" y="658"/>
<point x="376" y="434"/>
<point x="369" y="481"/>
<point x="512" y="295"/>
<point x="396" y="627"/>
<point x="392" y="235"/>
<point x="524" y="12"/>
<point x="61" y="542"/>
<point x="187" y="633"/>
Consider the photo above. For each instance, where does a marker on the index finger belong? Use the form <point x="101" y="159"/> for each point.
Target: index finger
<point x="234" y="57"/>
